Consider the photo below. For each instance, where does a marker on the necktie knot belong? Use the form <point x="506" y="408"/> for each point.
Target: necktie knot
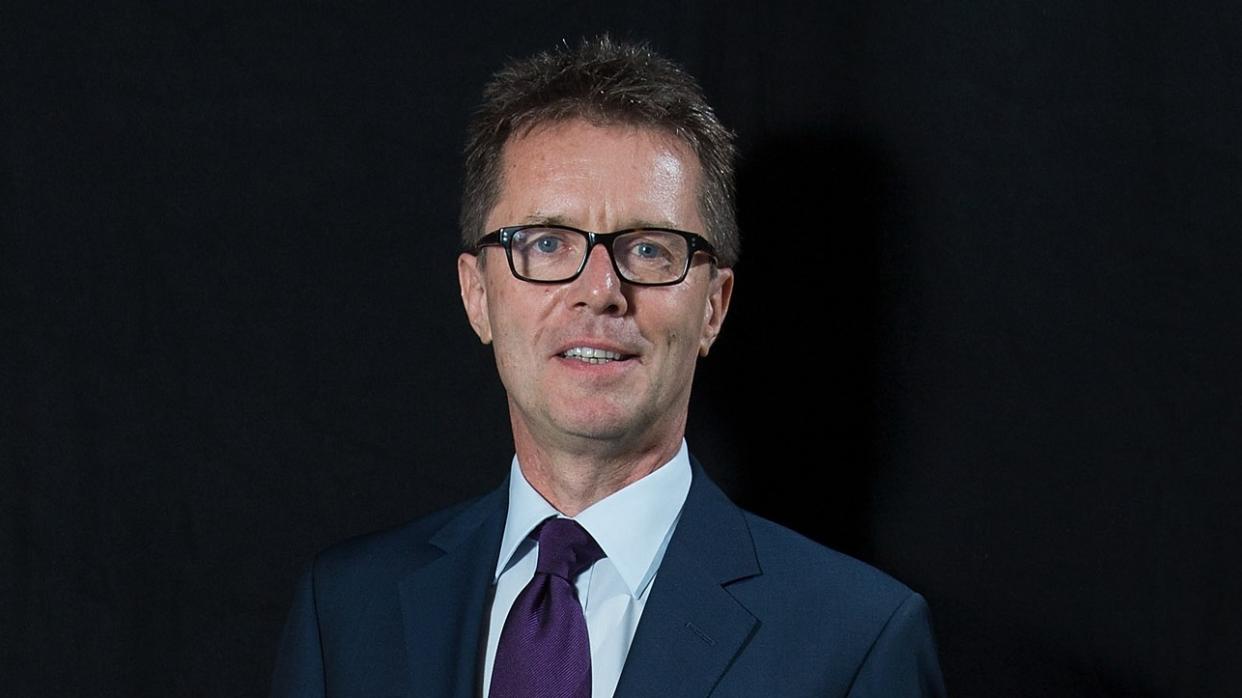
<point x="565" y="548"/>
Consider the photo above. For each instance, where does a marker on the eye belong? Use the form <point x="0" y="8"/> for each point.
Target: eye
<point x="647" y="250"/>
<point x="547" y="244"/>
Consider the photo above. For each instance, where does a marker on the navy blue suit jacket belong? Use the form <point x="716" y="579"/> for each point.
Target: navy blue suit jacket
<point x="740" y="607"/>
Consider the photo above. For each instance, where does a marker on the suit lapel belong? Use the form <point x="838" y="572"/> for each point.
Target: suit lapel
<point x="691" y="627"/>
<point x="444" y="601"/>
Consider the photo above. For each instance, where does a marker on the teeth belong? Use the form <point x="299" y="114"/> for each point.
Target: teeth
<point x="592" y="355"/>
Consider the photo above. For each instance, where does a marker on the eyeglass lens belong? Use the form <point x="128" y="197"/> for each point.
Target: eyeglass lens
<point x="642" y="256"/>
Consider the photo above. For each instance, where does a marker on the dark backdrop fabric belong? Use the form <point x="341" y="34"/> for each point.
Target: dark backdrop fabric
<point x="985" y="333"/>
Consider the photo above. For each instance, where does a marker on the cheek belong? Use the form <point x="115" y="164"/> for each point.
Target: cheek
<point x="518" y="317"/>
<point x="680" y="343"/>
<point x="681" y="322"/>
<point x="512" y="351"/>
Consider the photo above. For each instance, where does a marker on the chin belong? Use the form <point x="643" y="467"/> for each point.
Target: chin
<point x="597" y="430"/>
<point x="596" y="426"/>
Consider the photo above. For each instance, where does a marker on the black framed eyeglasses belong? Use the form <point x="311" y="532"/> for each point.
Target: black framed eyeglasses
<point x="543" y="253"/>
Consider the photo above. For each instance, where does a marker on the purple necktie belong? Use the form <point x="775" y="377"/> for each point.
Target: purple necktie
<point x="544" y="651"/>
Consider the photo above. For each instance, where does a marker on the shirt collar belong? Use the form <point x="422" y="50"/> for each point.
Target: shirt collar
<point x="632" y="525"/>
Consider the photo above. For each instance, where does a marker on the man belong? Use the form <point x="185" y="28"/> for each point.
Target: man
<point x="598" y="224"/>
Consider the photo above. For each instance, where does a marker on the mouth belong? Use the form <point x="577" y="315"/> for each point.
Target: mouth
<point x="594" y="355"/>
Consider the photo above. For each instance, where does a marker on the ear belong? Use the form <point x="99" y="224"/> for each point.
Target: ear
<point x="719" y="292"/>
<point x="474" y="295"/>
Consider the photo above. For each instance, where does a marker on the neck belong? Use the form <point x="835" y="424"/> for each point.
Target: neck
<point x="574" y="479"/>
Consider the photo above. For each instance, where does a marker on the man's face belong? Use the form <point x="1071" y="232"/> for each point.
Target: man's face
<point x="599" y="178"/>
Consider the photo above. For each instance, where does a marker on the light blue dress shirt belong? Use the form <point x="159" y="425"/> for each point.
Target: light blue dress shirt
<point x="632" y="525"/>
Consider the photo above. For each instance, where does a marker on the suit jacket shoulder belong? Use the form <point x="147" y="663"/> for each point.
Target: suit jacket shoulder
<point x="394" y="613"/>
<point x="817" y="577"/>
<point x="382" y="556"/>
<point x="869" y="633"/>
<point x="742" y="606"/>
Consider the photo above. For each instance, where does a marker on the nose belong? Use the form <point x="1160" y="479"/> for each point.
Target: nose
<point x="598" y="287"/>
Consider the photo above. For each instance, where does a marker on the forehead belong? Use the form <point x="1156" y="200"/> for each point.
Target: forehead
<point x="599" y="176"/>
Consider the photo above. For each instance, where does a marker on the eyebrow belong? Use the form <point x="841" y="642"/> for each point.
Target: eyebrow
<point x="536" y="219"/>
<point x="630" y="224"/>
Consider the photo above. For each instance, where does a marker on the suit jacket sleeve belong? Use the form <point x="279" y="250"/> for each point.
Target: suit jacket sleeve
<point x="299" y="662"/>
<point x="903" y="659"/>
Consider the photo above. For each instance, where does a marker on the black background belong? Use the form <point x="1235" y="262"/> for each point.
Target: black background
<point x="984" y="333"/>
